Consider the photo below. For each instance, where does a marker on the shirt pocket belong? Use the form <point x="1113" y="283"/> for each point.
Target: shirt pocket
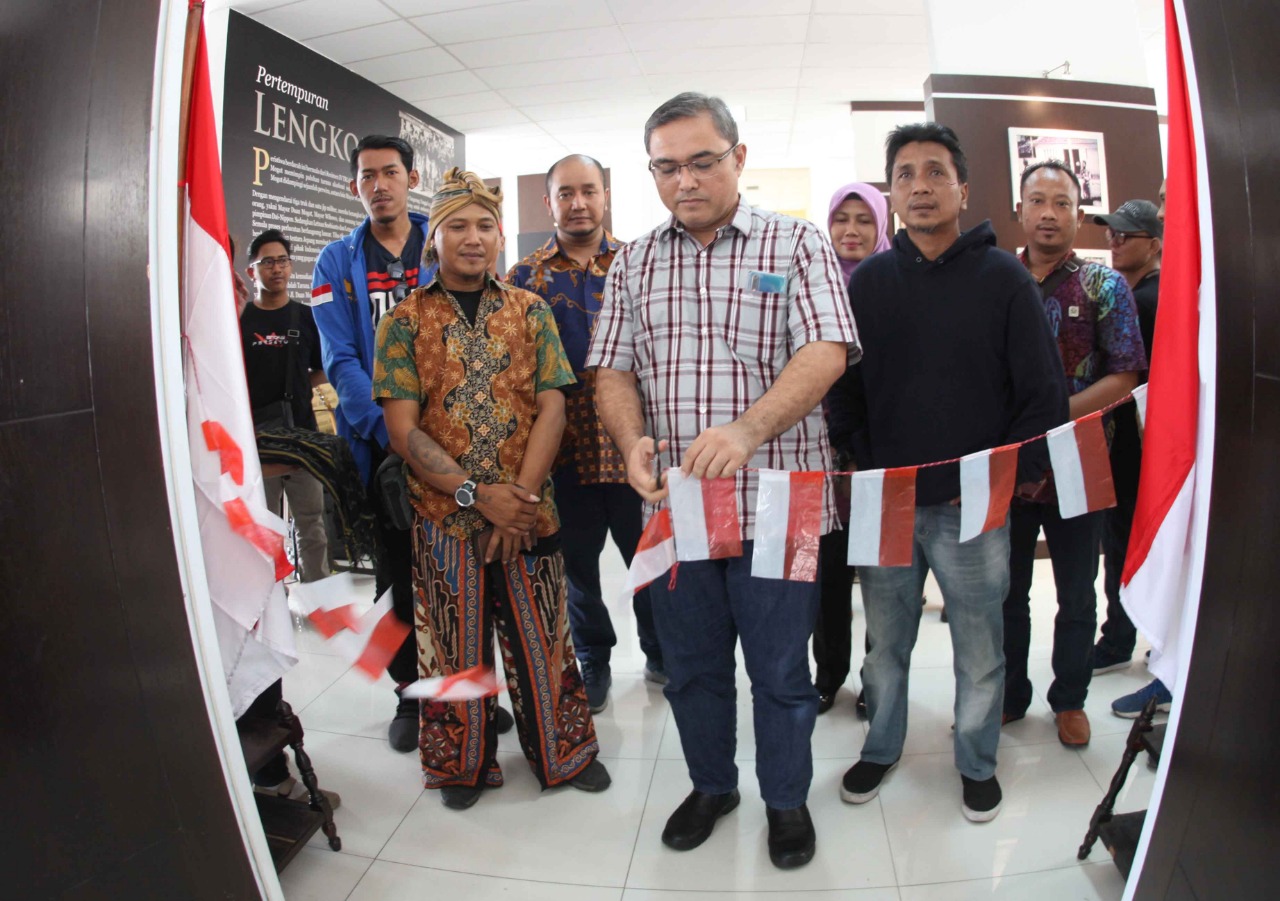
<point x="754" y="328"/>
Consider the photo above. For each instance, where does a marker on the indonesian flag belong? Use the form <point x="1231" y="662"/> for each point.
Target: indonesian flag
<point x="882" y="517"/>
<point x="655" y="554"/>
<point x="1140" y="405"/>
<point x="243" y="542"/>
<point x="468" y="685"/>
<point x="1160" y="584"/>
<point x="1081" y="466"/>
<point x="987" y="480"/>
<point x="704" y="515"/>
<point x="373" y="639"/>
<point x="326" y="603"/>
<point x="788" y="525"/>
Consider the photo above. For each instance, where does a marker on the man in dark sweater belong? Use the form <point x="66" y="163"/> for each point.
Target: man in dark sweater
<point x="1135" y="234"/>
<point x="958" y="358"/>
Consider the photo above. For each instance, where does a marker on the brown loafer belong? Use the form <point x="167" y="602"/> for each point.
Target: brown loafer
<point x="1073" y="728"/>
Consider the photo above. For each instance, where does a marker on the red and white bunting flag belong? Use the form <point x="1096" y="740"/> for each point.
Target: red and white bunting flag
<point x="987" y="480"/>
<point x="375" y="638"/>
<point x="467" y="685"/>
<point x="326" y="603"/>
<point x="882" y="517"/>
<point x="1160" y="585"/>
<point x="1081" y="466"/>
<point x="704" y="516"/>
<point x="788" y="525"/>
<point x="655" y="554"/>
<point x="1140" y="405"/>
<point x="243" y="542"/>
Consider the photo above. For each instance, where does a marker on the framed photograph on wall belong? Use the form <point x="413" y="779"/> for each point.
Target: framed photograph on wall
<point x="1083" y="151"/>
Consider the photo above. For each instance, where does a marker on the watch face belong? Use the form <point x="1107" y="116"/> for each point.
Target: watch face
<point x="466" y="494"/>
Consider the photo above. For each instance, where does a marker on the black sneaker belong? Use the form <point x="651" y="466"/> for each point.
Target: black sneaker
<point x="593" y="778"/>
<point x="596" y="678"/>
<point x="981" y="799"/>
<point x="402" y="734"/>
<point x="460" y="797"/>
<point x="1106" y="660"/>
<point x="504" y="721"/>
<point x="862" y="782"/>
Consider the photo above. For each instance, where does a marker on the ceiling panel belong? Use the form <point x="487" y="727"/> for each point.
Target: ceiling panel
<point x="759" y="33"/>
<point x="409" y="8"/>
<point x="582" y="89"/>
<point x="872" y="56"/>
<point x="479" y="102"/>
<point x="513" y="122"/>
<point x="617" y="65"/>
<point x="312" y="18"/>
<point x="376" y="40"/>
<point x="449" y="84"/>
<point x="861" y="31"/>
<point x="523" y="17"/>
<point x="870" y="7"/>
<point x="678" y="10"/>
<point x="565" y="45"/>
<point x="399" y="66"/>
<point x="711" y="59"/>
<point x="725" y="83"/>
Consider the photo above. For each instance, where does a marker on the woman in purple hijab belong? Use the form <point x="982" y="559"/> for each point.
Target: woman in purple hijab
<point x="857" y="220"/>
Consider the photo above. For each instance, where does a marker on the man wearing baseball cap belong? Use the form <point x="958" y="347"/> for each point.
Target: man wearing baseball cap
<point x="1134" y="233"/>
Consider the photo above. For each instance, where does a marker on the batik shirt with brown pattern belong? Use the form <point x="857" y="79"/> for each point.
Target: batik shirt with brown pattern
<point x="477" y="387"/>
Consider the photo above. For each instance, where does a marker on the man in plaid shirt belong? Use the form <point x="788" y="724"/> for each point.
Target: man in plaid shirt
<point x="720" y="332"/>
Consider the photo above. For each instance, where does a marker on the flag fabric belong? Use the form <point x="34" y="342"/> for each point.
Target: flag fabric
<point x="1081" y="466"/>
<point x="326" y="603"/>
<point x="655" y="554"/>
<point x="373" y="639"/>
<point x="1140" y="405"/>
<point x="882" y="517"/>
<point x="243" y="543"/>
<point x="987" y="480"/>
<point x="788" y="525"/>
<point x="467" y="685"/>
<point x="704" y="517"/>
<point x="1161" y="572"/>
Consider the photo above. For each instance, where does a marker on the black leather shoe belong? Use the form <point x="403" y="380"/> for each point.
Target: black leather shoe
<point x="402" y="734"/>
<point x="504" y="721"/>
<point x="825" y="702"/>
<point x="460" y="797"/>
<point x="791" y="837"/>
<point x="694" y="819"/>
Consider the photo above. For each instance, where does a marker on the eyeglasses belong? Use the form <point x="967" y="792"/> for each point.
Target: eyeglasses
<point x="701" y="167"/>
<point x="273" y="262"/>
<point x="1117" y="239"/>
<point x="395" y="269"/>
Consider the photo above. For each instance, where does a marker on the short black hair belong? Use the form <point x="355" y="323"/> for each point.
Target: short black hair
<point x="1057" y="165"/>
<point x="382" y="142"/>
<point x="688" y="105"/>
<point x="934" y="133"/>
<point x="580" y="157"/>
<point x="270" y="236"/>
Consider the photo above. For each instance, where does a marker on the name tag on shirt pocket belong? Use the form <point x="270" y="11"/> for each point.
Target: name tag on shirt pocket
<point x="1073" y="312"/>
<point x="766" y="282"/>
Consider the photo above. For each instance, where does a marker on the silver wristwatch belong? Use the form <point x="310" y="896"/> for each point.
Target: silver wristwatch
<point x="465" y="494"/>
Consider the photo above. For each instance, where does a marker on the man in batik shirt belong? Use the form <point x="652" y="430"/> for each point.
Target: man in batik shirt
<point x="1092" y="314"/>
<point x="590" y="477"/>
<point x="468" y="372"/>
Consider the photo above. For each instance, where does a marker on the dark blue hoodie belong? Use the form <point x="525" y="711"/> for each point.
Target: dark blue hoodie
<point x="957" y="357"/>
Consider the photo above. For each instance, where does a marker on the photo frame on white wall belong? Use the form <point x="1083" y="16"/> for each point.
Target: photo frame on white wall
<point x="1083" y="151"/>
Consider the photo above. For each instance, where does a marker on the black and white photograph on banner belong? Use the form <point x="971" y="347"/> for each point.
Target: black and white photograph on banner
<point x="433" y="151"/>
<point x="1082" y="151"/>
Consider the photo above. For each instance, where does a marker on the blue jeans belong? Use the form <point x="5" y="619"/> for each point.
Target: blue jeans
<point x="1073" y="551"/>
<point x="714" y="604"/>
<point x="974" y="577"/>
<point x="588" y="514"/>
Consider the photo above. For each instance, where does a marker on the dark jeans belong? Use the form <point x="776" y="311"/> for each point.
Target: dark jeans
<point x="832" y="637"/>
<point x="395" y="569"/>
<point x="1073" y="551"/>
<point x="588" y="515"/>
<point x="1118" y="633"/>
<point x="715" y="604"/>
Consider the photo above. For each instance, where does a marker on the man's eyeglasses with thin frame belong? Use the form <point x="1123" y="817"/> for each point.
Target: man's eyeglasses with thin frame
<point x="273" y="262"/>
<point x="1117" y="239"/>
<point x="699" y="168"/>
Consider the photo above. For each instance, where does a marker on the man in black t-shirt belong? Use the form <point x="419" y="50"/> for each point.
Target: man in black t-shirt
<point x="268" y="327"/>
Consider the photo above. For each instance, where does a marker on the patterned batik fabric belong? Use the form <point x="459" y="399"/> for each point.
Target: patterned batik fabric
<point x="575" y="294"/>
<point x="458" y="603"/>
<point x="707" y="330"/>
<point x="477" y="387"/>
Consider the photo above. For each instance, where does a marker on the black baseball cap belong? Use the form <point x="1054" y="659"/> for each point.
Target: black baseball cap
<point x="1134" y="216"/>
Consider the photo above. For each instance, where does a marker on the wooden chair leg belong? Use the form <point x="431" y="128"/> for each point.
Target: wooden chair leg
<point x="1132" y="748"/>
<point x="303" y="760"/>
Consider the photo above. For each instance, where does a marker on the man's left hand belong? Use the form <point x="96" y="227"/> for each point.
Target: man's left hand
<point x="720" y="451"/>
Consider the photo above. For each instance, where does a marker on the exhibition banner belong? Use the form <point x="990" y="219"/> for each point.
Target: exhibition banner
<point x="290" y="119"/>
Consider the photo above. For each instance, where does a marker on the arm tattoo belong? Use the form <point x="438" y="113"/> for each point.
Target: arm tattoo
<point x="431" y="456"/>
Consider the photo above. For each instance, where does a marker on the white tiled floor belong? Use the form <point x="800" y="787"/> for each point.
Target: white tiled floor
<point x="910" y="844"/>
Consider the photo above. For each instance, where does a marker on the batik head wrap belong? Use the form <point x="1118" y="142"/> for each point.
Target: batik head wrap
<point x="460" y="189"/>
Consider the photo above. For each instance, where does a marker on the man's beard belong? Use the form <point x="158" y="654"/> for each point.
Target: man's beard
<point x="923" y="229"/>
